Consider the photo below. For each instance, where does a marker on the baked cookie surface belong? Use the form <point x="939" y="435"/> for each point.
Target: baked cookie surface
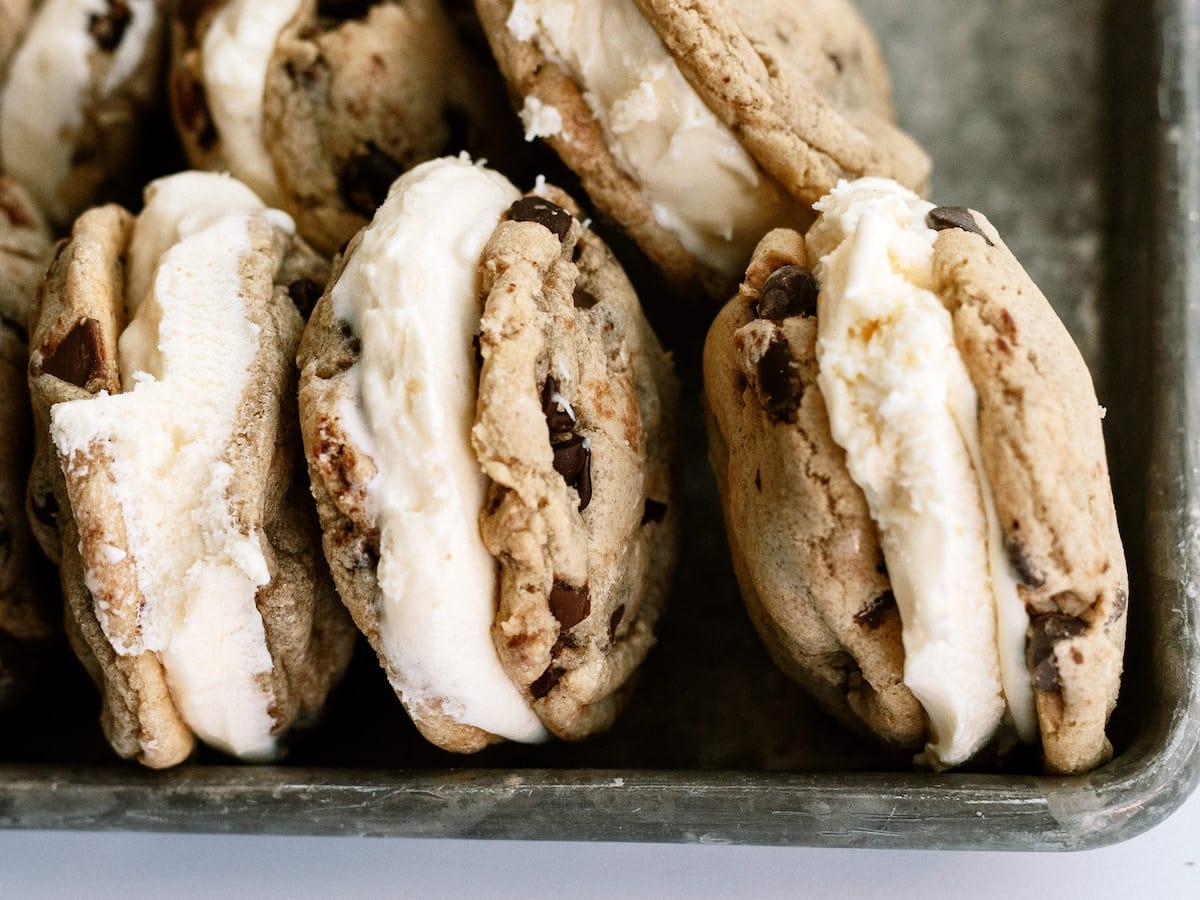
<point x="575" y="428"/>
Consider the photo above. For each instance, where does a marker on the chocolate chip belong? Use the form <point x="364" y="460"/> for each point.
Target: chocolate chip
<point x="946" y="217"/>
<point x="77" y="358"/>
<point x="653" y="512"/>
<point x="477" y="350"/>
<point x="559" y="416"/>
<point x="873" y="615"/>
<point x="305" y="293"/>
<point x="108" y="29"/>
<point x="790" y="291"/>
<point x="584" y="299"/>
<point x="573" y="461"/>
<point x="1045" y="632"/>
<point x="614" y="621"/>
<point x="542" y="212"/>
<point x="344" y="10"/>
<point x="367" y="178"/>
<point x="1025" y="568"/>
<point x="546" y="682"/>
<point x="779" y="383"/>
<point x="6" y="541"/>
<point x="570" y="605"/>
<point x="45" y="509"/>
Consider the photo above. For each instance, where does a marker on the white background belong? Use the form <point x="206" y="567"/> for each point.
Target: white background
<point x="1160" y="864"/>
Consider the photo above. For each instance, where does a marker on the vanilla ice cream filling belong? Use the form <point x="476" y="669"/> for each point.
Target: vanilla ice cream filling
<point x="235" y="55"/>
<point x="185" y="363"/>
<point x="50" y="80"/>
<point x="902" y="406"/>
<point x="410" y="291"/>
<point x="703" y="186"/>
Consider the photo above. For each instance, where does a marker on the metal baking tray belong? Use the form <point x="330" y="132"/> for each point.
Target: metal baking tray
<point x="1076" y="126"/>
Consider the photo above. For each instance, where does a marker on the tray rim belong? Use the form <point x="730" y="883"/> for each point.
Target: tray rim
<point x="1118" y="802"/>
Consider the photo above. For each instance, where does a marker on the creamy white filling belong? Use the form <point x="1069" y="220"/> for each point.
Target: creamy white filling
<point x="540" y="119"/>
<point x="411" y="294"/>
<point x="701" y="183"/>
<point x="49" y="81"/>
<point x="185" y="359"/>
<point x="235" y="55"/>
<point x="902" y="405"/>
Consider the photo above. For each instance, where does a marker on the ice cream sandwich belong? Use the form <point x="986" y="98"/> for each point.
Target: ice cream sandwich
<point x="913" y="471"/>
<point x="80" y="80"/>
<point x="488" y="420"/>
<point x="169" y="482"/>
<point x="700" y="126"/>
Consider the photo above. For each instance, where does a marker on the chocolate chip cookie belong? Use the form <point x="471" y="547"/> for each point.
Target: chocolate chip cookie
<point x="913" y="472"/>
<point x="80" y="83"/>
<point x="698" y="127"/>
<point x="489" y="425"/>
<point x="320" y="106"/>
<point x="166" y="486"/>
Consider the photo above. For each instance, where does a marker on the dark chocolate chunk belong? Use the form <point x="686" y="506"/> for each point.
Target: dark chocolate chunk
<point x="78" y="357"/>
<point x="946" y="217"/>
<point x="542" y="212"/>
<point x="559" y="416"/>
<point x="546" y="682"/>
<point x="305" y="293"/>
<point x="570" y="605"/>
<point x="614" y="621"/>
<point x="653" y="512"/>
<point x="6" y="542"/>
<point x="1025" y="568"/>
<point x="573" y="461"/>
<point x="1045" y="632"/>
<point x="779" y="382"/>
<point x="107" y="29"/>
<point x="790" y="291"/>
<point x="367" y="178"/>
<point x="876" y="611"/>
<point x="584" y="299"/>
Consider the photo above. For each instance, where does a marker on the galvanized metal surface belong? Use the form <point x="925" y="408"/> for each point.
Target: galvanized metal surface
<point x="1076" y="126"/>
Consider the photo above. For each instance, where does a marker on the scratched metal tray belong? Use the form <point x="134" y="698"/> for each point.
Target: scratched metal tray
<point x="1076" y="126"/>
